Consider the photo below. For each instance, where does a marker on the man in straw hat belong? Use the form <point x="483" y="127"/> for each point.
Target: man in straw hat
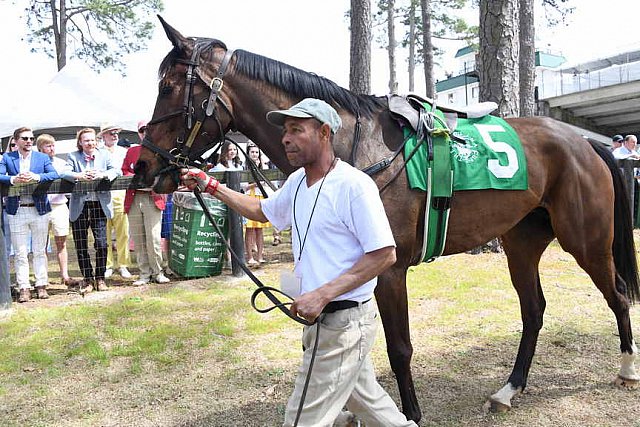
<point x="110" y="134"/>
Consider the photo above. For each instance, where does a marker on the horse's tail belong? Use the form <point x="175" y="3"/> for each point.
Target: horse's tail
<point x="624" y="251"/>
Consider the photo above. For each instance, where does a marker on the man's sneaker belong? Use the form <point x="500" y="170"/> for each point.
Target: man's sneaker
<point x="124" y="273"/>
<point x="141" y="281"/>
<point x="161" y="278"/>
<point x="108" y="273"/>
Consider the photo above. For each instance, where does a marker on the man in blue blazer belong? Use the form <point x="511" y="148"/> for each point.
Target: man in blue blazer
<point x="90" y="209"/>
<point x="28" y="214"/>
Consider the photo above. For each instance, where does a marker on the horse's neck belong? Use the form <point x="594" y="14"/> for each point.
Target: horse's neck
<point x="251" y="104"/>
<point x="366" y="145"/>
<point x="252" y="101"/>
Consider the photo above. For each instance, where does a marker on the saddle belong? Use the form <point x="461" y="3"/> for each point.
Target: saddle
<point x="413" y="111"/>
<point x="408" y="108"/>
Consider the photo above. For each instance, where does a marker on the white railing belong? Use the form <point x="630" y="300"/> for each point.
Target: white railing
<point x="555" y="83"/>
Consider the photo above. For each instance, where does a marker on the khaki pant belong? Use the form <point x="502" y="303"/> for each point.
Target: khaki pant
<point x="342" y="373"/>
<point x="145" y="222"/>
<point x="120" y="224"/>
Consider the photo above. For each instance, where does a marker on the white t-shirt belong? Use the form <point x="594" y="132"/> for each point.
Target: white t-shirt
<point x="348" y="221"/>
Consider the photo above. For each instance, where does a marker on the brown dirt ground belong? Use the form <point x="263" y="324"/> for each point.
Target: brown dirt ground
<point x="570" y="383"/>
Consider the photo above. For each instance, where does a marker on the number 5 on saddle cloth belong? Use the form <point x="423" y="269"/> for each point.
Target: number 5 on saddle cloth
<point x="491" y="157"/>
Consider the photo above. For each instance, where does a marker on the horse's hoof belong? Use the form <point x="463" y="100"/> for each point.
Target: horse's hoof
<point x="626" y="383"/>
<point x="496" y="407"/>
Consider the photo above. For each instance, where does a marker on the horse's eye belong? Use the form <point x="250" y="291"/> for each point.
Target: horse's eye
<point x="166" y="90"/>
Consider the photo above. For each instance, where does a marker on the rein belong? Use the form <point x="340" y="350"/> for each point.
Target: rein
<point x="262" y="288"/>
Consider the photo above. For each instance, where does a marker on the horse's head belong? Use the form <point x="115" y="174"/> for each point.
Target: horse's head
<point x="191" y="113"/>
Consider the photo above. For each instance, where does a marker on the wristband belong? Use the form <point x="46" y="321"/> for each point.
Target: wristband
<point x="212" y="186"/>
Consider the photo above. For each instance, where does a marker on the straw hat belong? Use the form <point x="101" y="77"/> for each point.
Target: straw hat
<point x="108" y="127"/>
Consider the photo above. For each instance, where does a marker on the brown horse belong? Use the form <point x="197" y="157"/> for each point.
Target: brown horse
<point x="575" y="193"/>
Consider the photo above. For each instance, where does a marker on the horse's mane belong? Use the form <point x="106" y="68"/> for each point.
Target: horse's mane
<point x="301" y="83"/>
<point x="288" y="78"/>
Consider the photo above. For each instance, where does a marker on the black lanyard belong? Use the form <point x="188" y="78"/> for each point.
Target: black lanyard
<point x="313" y="209"/>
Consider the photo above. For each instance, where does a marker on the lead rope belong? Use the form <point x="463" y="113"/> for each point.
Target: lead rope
<point x="267" y="290"/>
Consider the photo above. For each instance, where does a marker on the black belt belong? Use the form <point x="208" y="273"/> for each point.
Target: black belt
<point x="334" y="306"/>
<point x="27" y="205"/>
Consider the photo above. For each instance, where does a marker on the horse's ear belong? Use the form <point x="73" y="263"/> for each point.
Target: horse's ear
<point x="177" y="39"/>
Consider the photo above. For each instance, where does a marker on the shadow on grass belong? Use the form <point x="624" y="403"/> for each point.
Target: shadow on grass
<point x="453" y="386"/>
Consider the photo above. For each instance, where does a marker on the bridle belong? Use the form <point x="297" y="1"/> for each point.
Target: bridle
<point x="181" y="155"/>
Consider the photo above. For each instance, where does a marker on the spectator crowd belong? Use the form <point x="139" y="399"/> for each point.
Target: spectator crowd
<point x="119" y="220"/>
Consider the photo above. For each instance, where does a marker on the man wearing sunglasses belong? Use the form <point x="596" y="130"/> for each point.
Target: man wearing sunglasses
<point x="28" y="214"/>
<point x="119" y="224"/>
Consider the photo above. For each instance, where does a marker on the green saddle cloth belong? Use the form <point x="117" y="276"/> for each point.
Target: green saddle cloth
<point x="491" y="158"/>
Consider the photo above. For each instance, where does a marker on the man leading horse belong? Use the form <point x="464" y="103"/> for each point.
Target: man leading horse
<point x="341" y="242"/>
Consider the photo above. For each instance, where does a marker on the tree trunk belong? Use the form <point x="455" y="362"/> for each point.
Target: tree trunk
<point x="391" y="30"/>
<point x="360" y="70"/>
<point x="498" y="58"/>
<point x="59" y="24"/>
<point x="427" y="49"/>
<point x="412" y="45"/>
<point x="527" y="59"/>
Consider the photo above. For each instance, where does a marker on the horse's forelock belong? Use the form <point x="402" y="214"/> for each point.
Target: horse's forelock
<point x="206" y="45"/>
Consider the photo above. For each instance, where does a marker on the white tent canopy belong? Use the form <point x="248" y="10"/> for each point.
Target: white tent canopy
<point x="77" y="97"/>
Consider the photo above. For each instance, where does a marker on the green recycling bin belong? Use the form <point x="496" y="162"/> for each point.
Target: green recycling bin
<point x="196" y="249"/>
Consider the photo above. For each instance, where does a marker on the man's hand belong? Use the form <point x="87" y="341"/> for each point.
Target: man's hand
<point x="309" y="306"/>
<point x="88" y="175"/>
<point x="26" y="178"/>
<point x="192" y="178"/>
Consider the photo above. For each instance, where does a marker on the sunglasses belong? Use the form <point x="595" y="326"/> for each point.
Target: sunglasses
<point x="27" y="138"/>
<point x="13" y="144"/>
<point x="143" y="129"/>
<point x="114" y="133"/>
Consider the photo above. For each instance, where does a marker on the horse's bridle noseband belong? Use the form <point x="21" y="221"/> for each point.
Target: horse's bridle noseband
<point x="181" y="155"/>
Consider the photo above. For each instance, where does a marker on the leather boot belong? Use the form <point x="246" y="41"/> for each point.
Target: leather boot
<point x="102" y="286"/>
<point x="42" y="292"/>
<point x="25" y="295"/>
<point x="86" y="286"/>
<point x="72" y="283"/>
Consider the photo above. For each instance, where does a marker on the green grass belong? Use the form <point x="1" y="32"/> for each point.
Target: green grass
<point x="161" y="328"/>
<point x="199" y="355"/>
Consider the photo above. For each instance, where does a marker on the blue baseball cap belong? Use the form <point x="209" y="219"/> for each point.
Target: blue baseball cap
<point x="308" y="108"/>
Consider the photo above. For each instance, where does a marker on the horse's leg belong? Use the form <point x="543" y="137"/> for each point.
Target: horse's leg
<point x="593" y="253"/>
<point x="391" y="295"/>
<point x="524" y="245"/>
